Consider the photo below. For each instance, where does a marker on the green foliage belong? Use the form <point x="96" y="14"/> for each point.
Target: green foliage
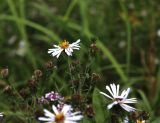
<point x="99" y="105"/>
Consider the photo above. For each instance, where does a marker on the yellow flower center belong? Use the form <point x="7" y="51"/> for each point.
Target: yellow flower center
<point x="140" y="121"/>
<point x="64" y="44"/>
<point x="59" y="118"/>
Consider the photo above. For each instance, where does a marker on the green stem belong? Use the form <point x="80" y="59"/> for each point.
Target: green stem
<point x="70" y="8"/>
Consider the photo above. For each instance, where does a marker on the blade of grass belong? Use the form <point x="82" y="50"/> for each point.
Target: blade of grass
<point x="70" y="8"/>
<point x="128" y="30"/>
<point x="36" y="26"/>
<point x="146" y="102"/>
<point x="22" y="29"/>
<point x="113" y="61"/>
<point x="85" y="24"/>
<point x="60" y="21"/>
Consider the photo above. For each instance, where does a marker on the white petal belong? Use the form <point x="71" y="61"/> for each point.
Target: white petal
<point x="75" y="113"/>
<point x="132" y="100"/>
<point x="113" y="88"/>
<point x="106" y="95"/>
<point x="55" y="109"/>
<point x="75" y="45"/>
<point x="78" y="41"/>
<point x="56" y="46"/>
<point x="68" y="121"/>
<point x="45" y="119"/>
<point x="127" y="92"/>
<point x="123" y="93"/>
<point x="117" y="90"/>
<point x="58" y="54"/>
<point x="48" y="113"/>
<point x="112" y="104"/>
<point x="68" y="52"/>
<point x="108" y="88"/>
<point x="127" y="107"/>
<point x="55" y="52"/>
<point x="66" y="109"/>
<point x="74" y="118"/>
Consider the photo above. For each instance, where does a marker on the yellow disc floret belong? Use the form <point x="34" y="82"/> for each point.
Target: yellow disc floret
<point x="140" y="121"/>
<point x="64" y="44"/>
<point x="59" y="118"/>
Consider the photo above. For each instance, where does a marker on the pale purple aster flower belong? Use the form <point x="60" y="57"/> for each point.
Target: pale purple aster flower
<point x="53" y="96"/>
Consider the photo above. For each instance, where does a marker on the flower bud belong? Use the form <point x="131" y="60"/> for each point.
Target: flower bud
<point x="38" y="73"/>
<point x="4" y="72"/>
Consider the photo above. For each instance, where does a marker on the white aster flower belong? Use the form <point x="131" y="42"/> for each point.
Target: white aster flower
<point x="64" y="46"/>
<point x="119" y="99"/>
<point x="63" y="116"/>
<point x="158" y="32"/>
<point x="1" y="116"/>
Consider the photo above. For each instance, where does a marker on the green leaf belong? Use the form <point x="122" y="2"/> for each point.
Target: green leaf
<point x="86" y="120"/>
<point x="145" y="100"/>
<point x="99" y="107"/>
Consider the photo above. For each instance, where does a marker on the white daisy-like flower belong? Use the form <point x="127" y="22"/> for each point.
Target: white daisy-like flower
<point x="64" y="46"/>
<point x="158" y="32"/>
<point x="119" y="99"/>
<point x="1" y="116"/>
<point x="63" y="116"/>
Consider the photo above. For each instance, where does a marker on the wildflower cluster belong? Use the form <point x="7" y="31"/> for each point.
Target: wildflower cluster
<point x="78" y="103"/>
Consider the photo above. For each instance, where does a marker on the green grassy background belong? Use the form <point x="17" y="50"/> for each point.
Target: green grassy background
<point x="125" y="32"/>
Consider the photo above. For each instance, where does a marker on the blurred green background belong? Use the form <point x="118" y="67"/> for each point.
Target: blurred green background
<point x="126" y="33"/>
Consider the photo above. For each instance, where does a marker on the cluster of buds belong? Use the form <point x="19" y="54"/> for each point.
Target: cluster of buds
<point x="139" y="116"/>
<point x="32" y="83"/>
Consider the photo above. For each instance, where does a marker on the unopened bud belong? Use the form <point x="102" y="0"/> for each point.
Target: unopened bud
<point x="4" y="72"/>
<point x="38" y="73"/>
<point x="89" y="111"/>
<point x="95" y="77"/>
<point x="7" y="90"/>
<point x="93" y="48"/>
<point x="49" y="65"/>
